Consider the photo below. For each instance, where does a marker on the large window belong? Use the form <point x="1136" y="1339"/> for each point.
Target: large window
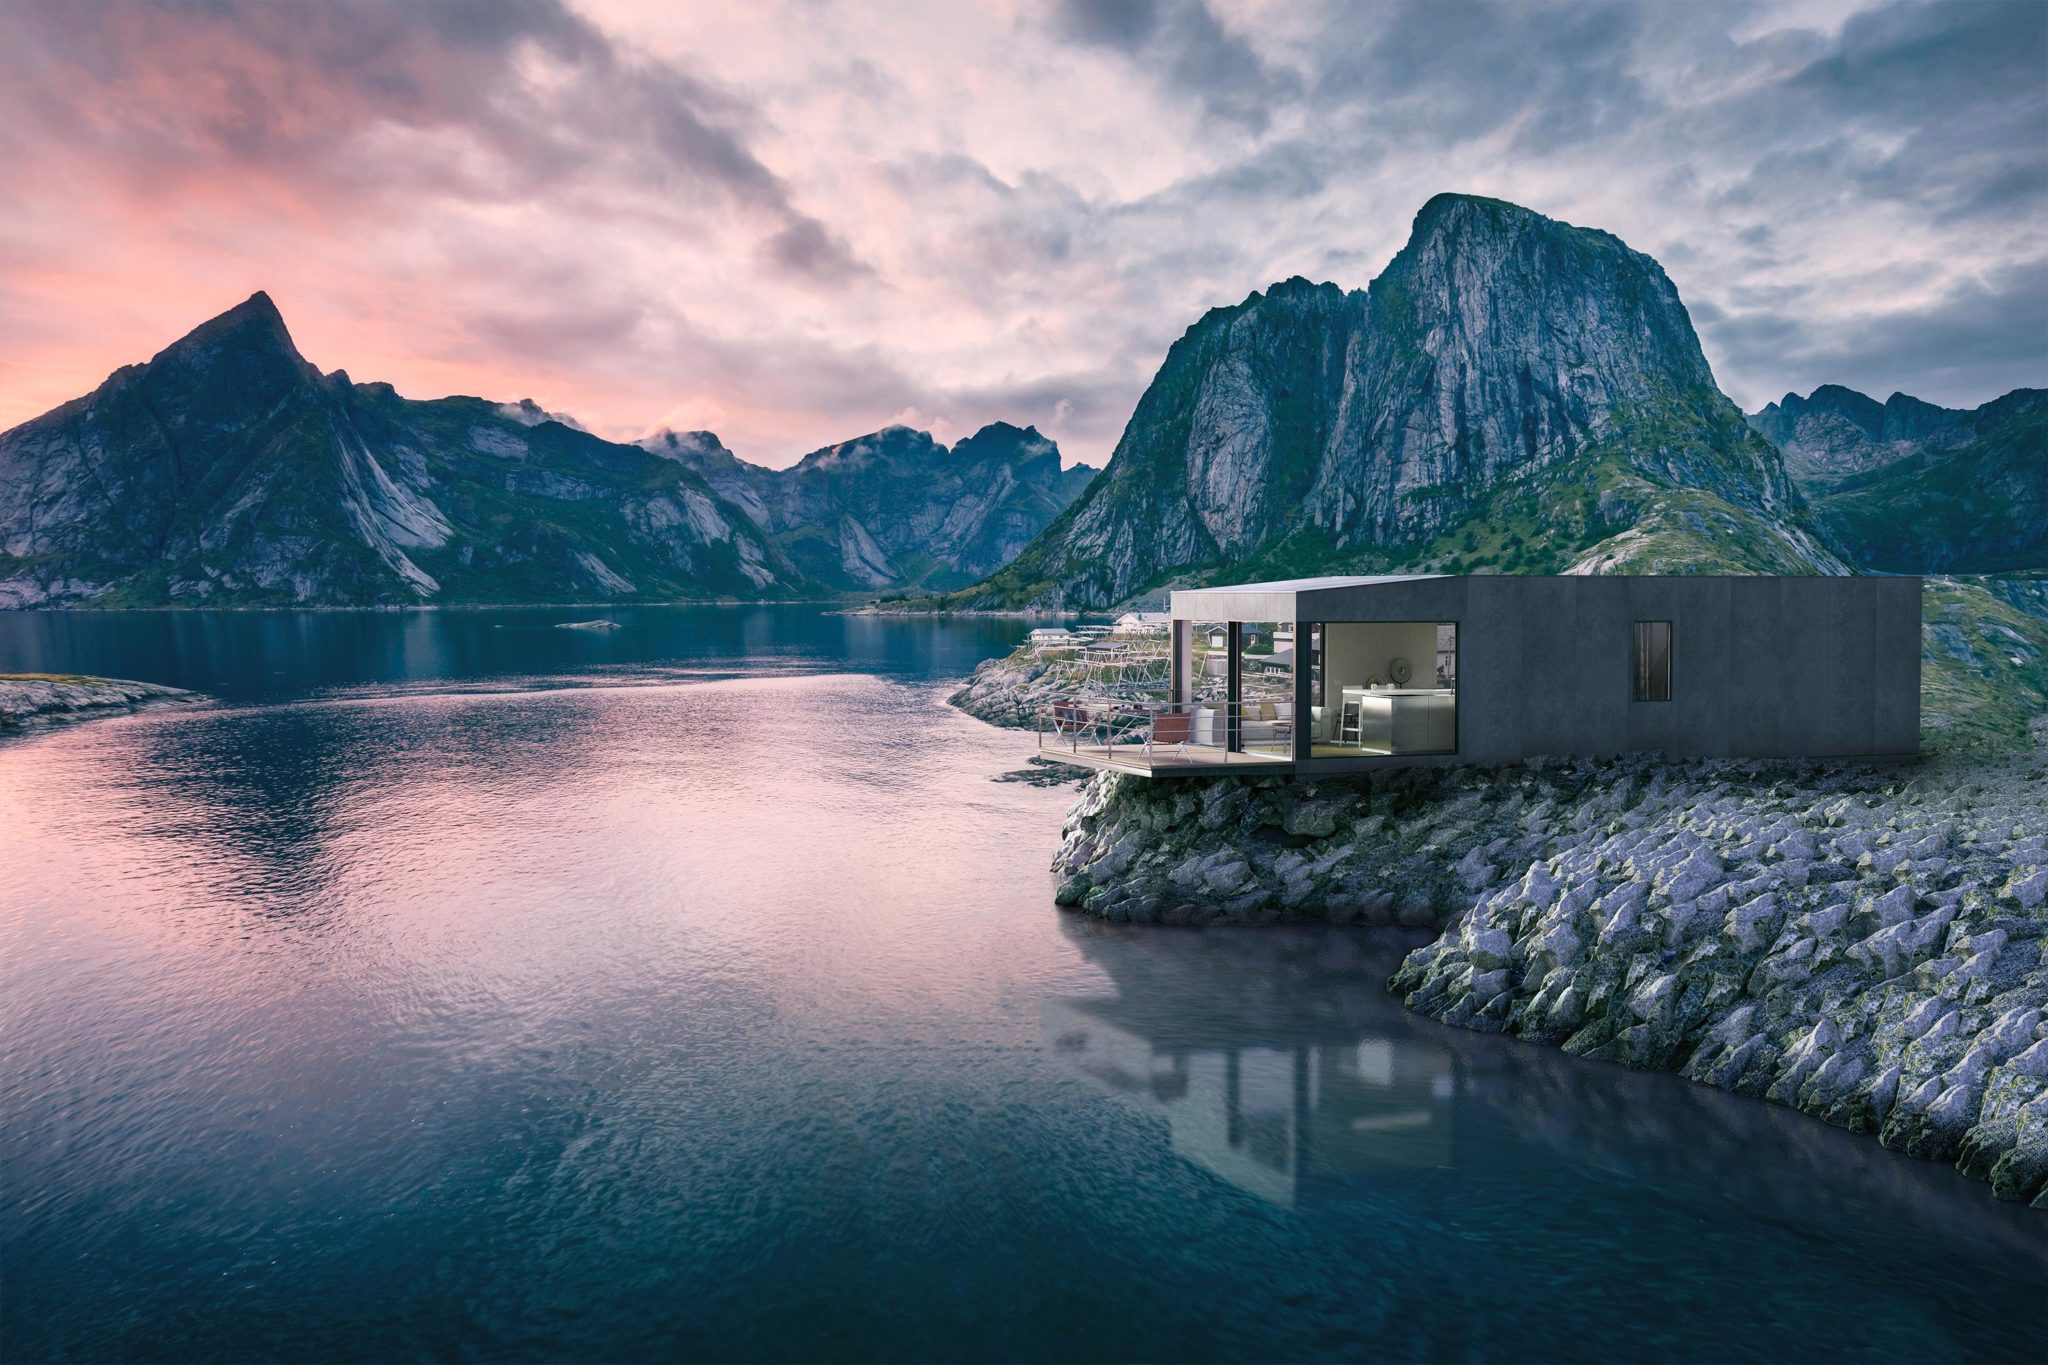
<point x="1653" y="661"/>
<point x="1383" y="687"/>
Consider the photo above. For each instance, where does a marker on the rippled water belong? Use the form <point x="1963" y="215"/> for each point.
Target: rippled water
<point x="459" y="987"/>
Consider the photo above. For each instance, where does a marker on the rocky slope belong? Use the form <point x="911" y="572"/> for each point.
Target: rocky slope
<point x="1512" y="392"/>
<point x="1871" y="956"/>
<point x="27" y="698"/>
<point x="227" y="470"/>
<point x="896" y="510"/>
<point x="1908" y="487"/>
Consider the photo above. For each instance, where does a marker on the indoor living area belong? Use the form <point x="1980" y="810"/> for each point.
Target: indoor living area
<point x="1382" y="688"/>
<point x="1327" y="689"/>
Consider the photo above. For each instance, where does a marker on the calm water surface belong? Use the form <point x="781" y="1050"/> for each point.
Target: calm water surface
<point x="459" y="987"/>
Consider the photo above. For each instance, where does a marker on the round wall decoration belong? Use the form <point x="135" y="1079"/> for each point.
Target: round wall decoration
<point x="1400" y="671"/>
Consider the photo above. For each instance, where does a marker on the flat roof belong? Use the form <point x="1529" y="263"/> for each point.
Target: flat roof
<point x="1286" y="599"/>
<point x="1311" y="584"/>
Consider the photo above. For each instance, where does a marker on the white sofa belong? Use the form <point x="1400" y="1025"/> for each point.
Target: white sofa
<point x="1262" y="723"/>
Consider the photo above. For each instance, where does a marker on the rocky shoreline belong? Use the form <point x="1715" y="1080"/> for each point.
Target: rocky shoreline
<point x="45" y="698"/>
<point x="1008" y="691"/>
<point x="1861" y="943"/>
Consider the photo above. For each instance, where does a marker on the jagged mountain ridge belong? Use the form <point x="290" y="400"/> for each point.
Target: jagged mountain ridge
<point x="896" y="509"/>
<point x="1511" y="392"/>
<point x="1835" y="432"/>
<point x="227" y="470"/>
<point x="1905" y="486"/>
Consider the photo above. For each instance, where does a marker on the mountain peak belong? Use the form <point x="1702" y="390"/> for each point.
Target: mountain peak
<point x="254" y="324"/>
<point x="1008" y="443"/>
<point x="1462" y="212"/>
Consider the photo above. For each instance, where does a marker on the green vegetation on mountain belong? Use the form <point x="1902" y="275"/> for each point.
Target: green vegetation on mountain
<point x="1979" y="505"/>
<point x="1984" y="668"/>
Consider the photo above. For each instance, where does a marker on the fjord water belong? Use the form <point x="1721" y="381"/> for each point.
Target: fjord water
<point x="456" y="986"/>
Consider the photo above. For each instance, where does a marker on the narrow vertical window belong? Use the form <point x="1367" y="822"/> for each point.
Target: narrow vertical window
<point x="1653" y="661"/>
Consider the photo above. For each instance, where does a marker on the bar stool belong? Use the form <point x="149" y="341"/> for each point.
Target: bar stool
<point x="1351" y="723"/>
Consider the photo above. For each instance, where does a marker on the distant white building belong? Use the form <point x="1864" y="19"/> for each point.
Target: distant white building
<point x="1144" y="622"/>
<point x="1049" y="637"/>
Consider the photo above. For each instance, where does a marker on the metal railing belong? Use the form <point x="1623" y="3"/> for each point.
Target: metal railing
<point x="1162" y="733"/>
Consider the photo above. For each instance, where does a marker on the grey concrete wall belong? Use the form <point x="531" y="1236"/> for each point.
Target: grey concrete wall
<point x="1761" y="667"/>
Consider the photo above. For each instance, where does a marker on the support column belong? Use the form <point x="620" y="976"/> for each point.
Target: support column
<point x="1304" y="691"/>
<point x="1180" y="690"/>
<point x="1233" y="711"/>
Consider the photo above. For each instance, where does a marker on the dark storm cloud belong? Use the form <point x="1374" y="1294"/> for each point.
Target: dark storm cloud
<point x="1451" y="72"/>
<point x="1938" y="110"/>
<point x="1978" y="340"/>
<point x="1185" y="48"/>
<point x="1941" y="107"/>
<point x="291" y="90"/>
<point x="1124" y="24"/>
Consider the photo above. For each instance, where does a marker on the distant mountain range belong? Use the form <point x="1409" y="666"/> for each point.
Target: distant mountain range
<point x="229" y="471"/>
<point x="1907" y="487"/>
<point x="895" y="509"/>
<point x="1512" y="394"/>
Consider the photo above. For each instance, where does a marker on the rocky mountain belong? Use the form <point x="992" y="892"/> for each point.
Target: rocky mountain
<point x="228" y="470"/>
<point x="1511" y="393"/>
<point x="895" y="509"/>
<point x="1907" y="487"/>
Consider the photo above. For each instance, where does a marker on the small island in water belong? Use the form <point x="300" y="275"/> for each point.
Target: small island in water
<point x="30" y="698"/>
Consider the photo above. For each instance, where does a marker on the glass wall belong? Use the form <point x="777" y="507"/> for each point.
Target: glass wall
<point x="1265" y="687"/>
<point x="1383" y="687"/>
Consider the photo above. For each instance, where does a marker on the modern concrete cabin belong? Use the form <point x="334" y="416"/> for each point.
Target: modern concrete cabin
<point x="1329" y="675"/>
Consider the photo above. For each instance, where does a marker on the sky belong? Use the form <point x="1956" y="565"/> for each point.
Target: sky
<point x="793" y="222"/>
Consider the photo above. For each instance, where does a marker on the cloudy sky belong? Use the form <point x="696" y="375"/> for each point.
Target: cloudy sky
<point x="793" y="222"/>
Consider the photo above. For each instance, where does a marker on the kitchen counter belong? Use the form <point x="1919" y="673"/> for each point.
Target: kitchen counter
<point x="1405" y="720"/>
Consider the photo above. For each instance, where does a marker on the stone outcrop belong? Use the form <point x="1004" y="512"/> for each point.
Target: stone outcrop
<point x="29" y="698"/>
<point x="1864" y="944"/>
<point x="1010" y="690"/>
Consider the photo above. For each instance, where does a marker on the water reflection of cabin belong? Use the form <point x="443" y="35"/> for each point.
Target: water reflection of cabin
<point x="1346" y="674"/>
<point x="1284" y="1118"/>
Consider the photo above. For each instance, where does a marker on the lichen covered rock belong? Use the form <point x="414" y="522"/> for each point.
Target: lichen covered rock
<point x="1862" y="947"/>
